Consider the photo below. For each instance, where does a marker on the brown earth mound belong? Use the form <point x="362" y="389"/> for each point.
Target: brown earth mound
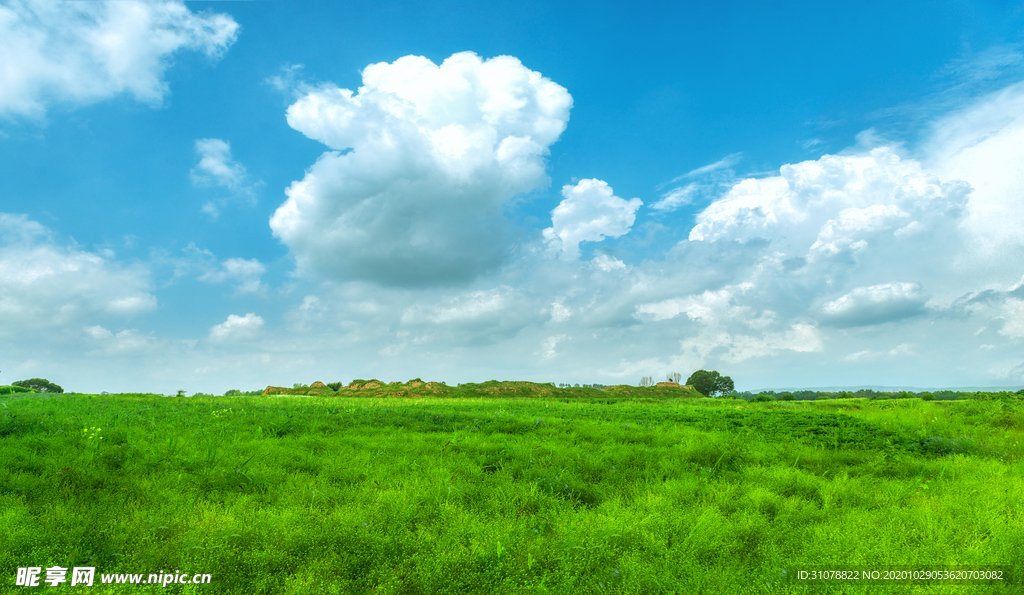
<point x="672" y="384"/>
<point x="318" y="384"/>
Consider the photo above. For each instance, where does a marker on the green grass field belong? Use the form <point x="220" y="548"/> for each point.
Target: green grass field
<point x="510" y="488"/>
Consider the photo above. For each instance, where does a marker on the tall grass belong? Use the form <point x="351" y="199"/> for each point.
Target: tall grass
<point x="498" y="495"/>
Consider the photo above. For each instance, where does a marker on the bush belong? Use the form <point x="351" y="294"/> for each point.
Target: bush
<point x="10" y="390"/>
<point x="39" y="384"/>
<point x="761" y="398"/>
<point x="785" y="397"/>
<point x="336" y="386"/>
<point x="926" y="396"/>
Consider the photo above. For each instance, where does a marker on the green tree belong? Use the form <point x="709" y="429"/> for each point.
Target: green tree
<point x="711" y="383"/>
<point x="703" y="382"/>
<point x="38" y="384"/>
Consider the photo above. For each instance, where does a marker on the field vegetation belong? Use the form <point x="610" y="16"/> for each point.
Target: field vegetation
<point x="511" y="487"/>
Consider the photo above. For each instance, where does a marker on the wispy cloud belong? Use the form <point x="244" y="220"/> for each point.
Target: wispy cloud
<point x="702" y="183"/>
<point x="217" y="167"/>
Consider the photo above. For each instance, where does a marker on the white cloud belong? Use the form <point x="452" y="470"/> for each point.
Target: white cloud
<point x="844" y="196"/>
<point x="677" y="197"/>
<point x="124" y="342"/>
<point x="468" y="307"/>
<point x="800" y="338"/>
<point x="876" y="304"/>
<point x="703" y="307"/>
<point x="82" y="52"/>
<point x="858" y="356"/>
<point x="589" y="212"/>
<point x="201" y="264"/>
<point x="722" y="164"/>
<point x="1013" y="318"/>
<point x="607" y="263"/>
<point x="984" y="145"/>
<point x="436" y="151"/>
<point x="549" y="345"/>
<point x="238" y="328"/>
<point x="217" y="167"/>
<point x="47" y="285"/>
<point x="710" y="180"/>
<point x="560" y="313"/>
<point x="245" y="273"/>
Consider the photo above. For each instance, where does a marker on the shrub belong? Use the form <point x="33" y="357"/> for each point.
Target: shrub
<point x="39" y="384"/>
<point x="760" y="398"/>
<point x="785" y="397"/>
<point x="10" y="390"/>
<point x="926" y="396"/>
<point x="335" y="386"/>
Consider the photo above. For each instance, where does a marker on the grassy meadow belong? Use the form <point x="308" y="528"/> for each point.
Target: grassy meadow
<point x="510" y="488"/>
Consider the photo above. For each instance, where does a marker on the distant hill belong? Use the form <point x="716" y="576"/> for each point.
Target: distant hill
<point x="889" y="389"/>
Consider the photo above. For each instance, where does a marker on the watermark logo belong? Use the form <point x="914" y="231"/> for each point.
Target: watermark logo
<point x="30" y="576"/>
<point x="55" y="575"/>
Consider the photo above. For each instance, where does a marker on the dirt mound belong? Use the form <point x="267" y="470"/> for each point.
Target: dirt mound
<point x="318" y="384"/>
<point x="418" y="383"/>
<point x="671" y="384"/>
<point x="372" y="384"/>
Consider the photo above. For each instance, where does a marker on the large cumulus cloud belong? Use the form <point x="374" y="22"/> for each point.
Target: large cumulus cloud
<point x="423" y="159"/>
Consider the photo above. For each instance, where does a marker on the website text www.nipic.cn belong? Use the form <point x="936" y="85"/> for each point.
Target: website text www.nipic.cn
<point x="32" y="576"/>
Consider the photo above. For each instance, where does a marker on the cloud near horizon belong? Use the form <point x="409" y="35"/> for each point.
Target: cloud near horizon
<point x="47" y="285"/>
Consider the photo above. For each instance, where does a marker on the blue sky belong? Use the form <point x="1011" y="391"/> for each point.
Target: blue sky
<point x="216" y="195"/>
